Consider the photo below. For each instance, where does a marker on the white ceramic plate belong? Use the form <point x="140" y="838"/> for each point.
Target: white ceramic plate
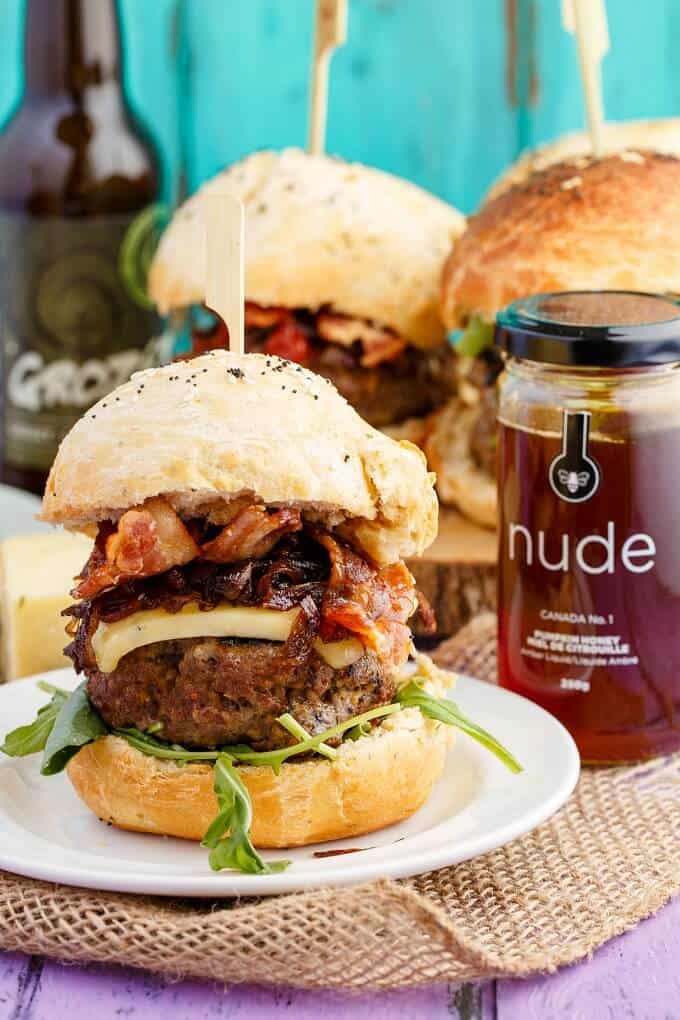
<point x="17" y="513"/>
<point x="47" y="833"/>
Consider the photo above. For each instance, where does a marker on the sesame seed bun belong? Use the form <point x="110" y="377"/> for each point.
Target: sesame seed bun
<point x="320" y="231"/>
<point x="205" y="431"/>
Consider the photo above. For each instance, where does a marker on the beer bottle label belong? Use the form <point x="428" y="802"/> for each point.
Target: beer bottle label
<point x="75" y="322"/>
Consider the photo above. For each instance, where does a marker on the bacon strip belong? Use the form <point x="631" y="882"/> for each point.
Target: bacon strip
<point x="351" y="595"/>
<point x="378" y="344"/>
<point x="148" y="540"/>
<point x="261" y="317"/>
<point x="385" y="348"/>
<point x="373" y="604"/>
<point x="289" y="340"/>
<point x="151" y="539"/>
<point x="290" y="333"/>
<point x="428" y="620"/>
<point x="252" y="533"/>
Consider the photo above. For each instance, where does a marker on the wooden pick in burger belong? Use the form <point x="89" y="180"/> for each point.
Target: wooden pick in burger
<point x="587" y="20"/>
<point x="330" y="32"/>
<point x="224" y="285"/>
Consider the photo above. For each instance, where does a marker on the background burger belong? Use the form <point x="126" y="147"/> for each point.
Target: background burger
<point x="579" y="224"/>
<point x="242" y="623"/>
<point x="342" y="276"/>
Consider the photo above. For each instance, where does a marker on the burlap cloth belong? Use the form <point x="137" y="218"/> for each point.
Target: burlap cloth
<point x="609" y="858"/>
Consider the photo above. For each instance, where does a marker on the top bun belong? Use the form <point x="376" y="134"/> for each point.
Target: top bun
<point x="204" y="431"/>
<point x="661" y="135"/>
<point x="582" y="224"/>
<point x="320" y="231"/>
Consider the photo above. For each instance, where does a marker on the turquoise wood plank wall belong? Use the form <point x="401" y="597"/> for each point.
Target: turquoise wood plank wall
<point x="445" y="92"/>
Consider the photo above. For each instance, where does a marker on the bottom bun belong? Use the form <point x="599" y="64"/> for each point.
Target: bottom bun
<point x="375" y="781"/>
<point x="460" y="481"/>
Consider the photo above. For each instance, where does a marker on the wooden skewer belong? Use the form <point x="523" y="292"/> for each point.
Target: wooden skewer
<point x="587" y="20"/>
<point x="330" y="31"/>
<point x="224" y="290"/>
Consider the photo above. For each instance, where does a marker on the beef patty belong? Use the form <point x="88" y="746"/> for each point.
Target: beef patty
<point x="206" y="692"/>
<point x="411" y="385"/>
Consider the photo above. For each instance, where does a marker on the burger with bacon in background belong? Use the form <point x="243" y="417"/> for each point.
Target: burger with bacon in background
<point x="578" y="223"/>
<point x="242" y="622"/>
<point x="342" y="276"/>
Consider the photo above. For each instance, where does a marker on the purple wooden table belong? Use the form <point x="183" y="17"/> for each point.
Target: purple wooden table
<point x="635" y="977"/>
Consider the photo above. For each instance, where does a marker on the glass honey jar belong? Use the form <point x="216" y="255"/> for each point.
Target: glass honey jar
<point x="589" y="484"/>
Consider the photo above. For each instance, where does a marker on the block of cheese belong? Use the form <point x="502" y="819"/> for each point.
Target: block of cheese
<point x="36" y="575"/>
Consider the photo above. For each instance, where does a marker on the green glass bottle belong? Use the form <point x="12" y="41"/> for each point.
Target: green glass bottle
<point x="79" y="180"/>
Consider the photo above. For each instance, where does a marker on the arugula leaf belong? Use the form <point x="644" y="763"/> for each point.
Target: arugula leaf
<point x="76" y="725"/>
<point x="32" y="738"/>
<point x="228" y="837"/>
<point x="357" y="732"/>
<point x="60" y="729"/>
<point x="148" y="744"/>
<point x="445" y="711"/>
<point x="476" y="337"/>
<point x="276" y="758"/>
<point x="53" y="689"/>
<point x="293" y="726"/>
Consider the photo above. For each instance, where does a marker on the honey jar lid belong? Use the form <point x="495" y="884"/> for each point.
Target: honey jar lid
<point x="611" y="328"/>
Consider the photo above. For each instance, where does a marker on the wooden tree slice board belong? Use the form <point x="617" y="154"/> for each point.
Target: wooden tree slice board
<point x="457" y="574"/>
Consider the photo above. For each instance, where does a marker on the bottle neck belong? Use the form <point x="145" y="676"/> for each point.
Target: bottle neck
<point x="70" y="46"/>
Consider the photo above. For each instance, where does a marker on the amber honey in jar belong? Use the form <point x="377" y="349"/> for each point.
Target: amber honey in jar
<point x="589" y="483"/>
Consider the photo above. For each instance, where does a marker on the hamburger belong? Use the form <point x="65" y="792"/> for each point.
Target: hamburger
<point x="578" y="224"/>
<point x="241" y="625"/>
<point x="342" y="272"/>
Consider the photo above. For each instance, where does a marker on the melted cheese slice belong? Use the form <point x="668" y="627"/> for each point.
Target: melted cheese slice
<point x="111" y="641"/>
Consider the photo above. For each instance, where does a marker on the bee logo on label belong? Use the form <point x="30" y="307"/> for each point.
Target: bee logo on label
<point x="574" y="480"/>
<point x="573" y="475"/>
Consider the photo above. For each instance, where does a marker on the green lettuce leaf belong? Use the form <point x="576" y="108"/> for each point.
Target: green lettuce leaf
<point x="275" y="759"/>
<point x="296" y="730"/>
<point x="67" y="723"/>
<point x="476" y="337"/>
<point x="147" y="743"/>
<point x="76" y="725"/>
<point x="445" y="711"/>
<point x="228" y="838"/>
<point x="32" y="738"/>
